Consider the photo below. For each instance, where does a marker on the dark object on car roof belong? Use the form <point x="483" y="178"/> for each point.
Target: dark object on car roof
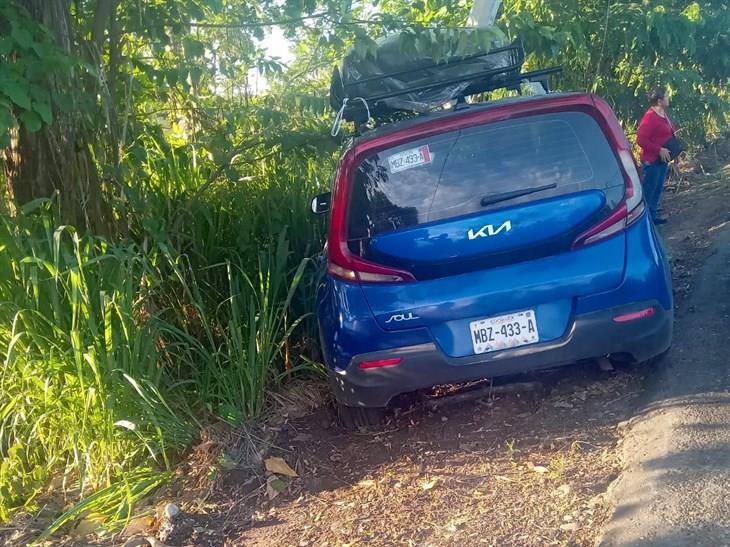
<point x="393" y="80"/>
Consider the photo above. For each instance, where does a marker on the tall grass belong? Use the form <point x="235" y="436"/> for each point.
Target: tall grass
<point x="113" y="352"/>
<point x="234" y="346"/>
<point x="81" y="389"/>
<point x="257" y="325"/>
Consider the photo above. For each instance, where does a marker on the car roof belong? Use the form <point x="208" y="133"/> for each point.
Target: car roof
<point x="460" y="109"/>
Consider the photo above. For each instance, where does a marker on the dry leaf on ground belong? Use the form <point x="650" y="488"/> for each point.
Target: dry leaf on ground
<point x="427" y="485"/>
<point x="280" y="467"/>
<point x="140" y="525"/>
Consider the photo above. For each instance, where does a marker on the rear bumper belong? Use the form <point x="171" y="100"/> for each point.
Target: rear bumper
<point x="590" y="336"/>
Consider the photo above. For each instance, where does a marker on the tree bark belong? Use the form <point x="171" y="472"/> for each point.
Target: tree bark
<point x="114" y="62"/>
<point x="100" y="24"/>
<point x="56" y="162"/>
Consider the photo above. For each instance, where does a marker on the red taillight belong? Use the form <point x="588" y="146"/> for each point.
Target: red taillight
<point x="380" y="363"/>
<point x="342" y="262"/>
<point x="628" y="317"/>
<point x="342" y="273"/>
<point x="628" y="211"/>
<point x="377" y="273"/>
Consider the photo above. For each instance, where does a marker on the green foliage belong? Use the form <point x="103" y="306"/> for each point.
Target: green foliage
<point x="240" y="366"/>
<point x="28" y="57"/>
<point x="621" y="49"/>
<point x="81" y="386"/>
<point x="438" y="44"/>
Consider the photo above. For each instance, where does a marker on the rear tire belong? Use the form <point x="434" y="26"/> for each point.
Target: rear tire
<point x="355" y="417"/>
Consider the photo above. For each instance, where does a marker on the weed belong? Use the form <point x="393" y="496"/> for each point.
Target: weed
<point x="511" y="450"/>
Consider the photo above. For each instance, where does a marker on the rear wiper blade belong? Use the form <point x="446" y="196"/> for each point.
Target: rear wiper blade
<point x="497" y="198"/>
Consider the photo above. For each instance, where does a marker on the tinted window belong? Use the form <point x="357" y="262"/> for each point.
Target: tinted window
<point x="448" y="175"/>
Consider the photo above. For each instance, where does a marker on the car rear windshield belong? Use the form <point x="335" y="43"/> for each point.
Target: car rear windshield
<point x="473" y="170"/>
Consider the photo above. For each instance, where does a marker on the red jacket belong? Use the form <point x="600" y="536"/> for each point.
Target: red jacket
<point x="654" y="132"/>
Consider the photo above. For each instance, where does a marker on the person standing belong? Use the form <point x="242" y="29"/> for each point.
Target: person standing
<point x="655" y="130"/>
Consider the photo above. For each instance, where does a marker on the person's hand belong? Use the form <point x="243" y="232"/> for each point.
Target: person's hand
<point x="665" y="155"/>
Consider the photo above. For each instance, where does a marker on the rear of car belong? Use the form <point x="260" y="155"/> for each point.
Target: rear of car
<point x="490" y="240"/>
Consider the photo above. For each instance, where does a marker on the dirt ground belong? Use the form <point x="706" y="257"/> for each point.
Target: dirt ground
<point x="524" y="468"/>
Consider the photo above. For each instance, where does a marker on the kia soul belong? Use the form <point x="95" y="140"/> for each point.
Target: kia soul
<point x="490" y="239"/>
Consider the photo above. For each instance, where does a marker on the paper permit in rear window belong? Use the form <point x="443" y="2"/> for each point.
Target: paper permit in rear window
<point x="408" y="159"/>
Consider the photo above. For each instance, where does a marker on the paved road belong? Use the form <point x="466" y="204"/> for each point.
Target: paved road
<point x="676" y="489"/>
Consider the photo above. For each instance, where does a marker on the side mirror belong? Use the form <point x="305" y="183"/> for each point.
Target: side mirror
<point x="321" y="203"/>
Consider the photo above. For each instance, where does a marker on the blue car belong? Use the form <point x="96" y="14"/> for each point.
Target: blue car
<point x="487" y="240"/>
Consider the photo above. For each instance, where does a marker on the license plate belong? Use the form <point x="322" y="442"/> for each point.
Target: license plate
<point x="409" y="159"/>
<point x="504" y="332"/>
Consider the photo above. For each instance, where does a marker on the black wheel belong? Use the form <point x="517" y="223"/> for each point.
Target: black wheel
<point x="355" y="417"/>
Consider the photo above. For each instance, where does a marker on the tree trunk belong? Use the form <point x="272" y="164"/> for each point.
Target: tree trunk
<point x="57" y="160"/>
<point x="114" y="62"/>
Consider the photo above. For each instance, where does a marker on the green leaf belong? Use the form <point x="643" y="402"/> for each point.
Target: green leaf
<point x="215" y="5"/>
<point x="44" y="111"/>
<point x="193" y="48"/>
<point x="195" y="11"/>
<point x="21" y="36"/>
<point x="6" y="104"/>
<point x="45" y="51"/>
<point x="232" y="174"/>
<point x="195" y="74"/>
<point x="172" y="77"/>
<point x="31" y="121"/>
<point x="230" y="414"/>
<point x="40" y="93"/>
<point x="693" y="12"/>
<point x="6" y="46"/>
<point x="7" y="121"/>
<point x="17" y="92"/>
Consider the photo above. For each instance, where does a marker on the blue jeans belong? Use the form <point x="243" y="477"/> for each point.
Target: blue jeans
<point x="654" y="176"/>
